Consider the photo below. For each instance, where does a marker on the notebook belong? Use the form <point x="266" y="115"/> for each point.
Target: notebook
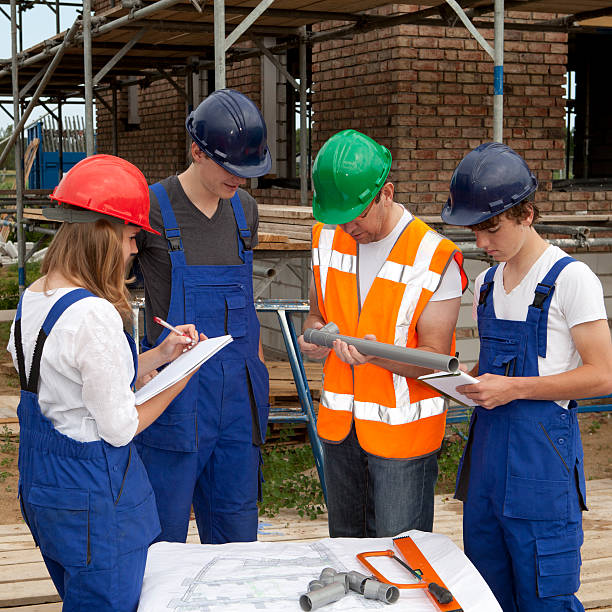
<point x="181" y="367"/>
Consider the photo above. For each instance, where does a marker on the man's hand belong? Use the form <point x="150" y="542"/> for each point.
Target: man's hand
<point x="313" y="351"/>
<point x="492" y="390"/>
<point x="349" y="354"/>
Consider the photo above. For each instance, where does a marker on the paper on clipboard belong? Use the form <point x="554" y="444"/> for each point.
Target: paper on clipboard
<point x="181" y="367"/>
<point x="447" y="383"/>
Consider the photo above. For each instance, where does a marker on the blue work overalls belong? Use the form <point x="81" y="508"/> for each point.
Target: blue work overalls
<point x="521" y="475"/>
<point x="89" y="505"/>
<point x="205" y="448"/>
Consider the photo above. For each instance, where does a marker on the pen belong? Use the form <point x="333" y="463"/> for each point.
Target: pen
<point x="171" y="328"/>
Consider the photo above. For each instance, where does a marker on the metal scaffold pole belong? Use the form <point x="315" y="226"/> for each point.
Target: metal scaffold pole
<point x="498" y="73"/>
<point x="87" y="68"/>
<point x="303" y="122"/>
<point x="18" y="152"/>
<point x="219" y="31"/>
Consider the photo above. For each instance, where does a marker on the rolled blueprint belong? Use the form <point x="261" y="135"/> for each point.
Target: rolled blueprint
<point x="435" y="361"/>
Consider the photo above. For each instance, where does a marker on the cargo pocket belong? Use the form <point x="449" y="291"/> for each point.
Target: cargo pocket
<point x="580" y="484"/>
<point x="259" y="393"/>
<point x="235" y="315"/>
<point x="538" y="477"/>
<point x="175" y="428"/>
<point x="137" y="526"/>
<point x="558" y="565"/>
<point x="61" y="520"/>
<point x="508" y="355"/>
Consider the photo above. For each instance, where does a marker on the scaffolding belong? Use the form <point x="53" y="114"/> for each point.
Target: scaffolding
<point x="142" y="41"/>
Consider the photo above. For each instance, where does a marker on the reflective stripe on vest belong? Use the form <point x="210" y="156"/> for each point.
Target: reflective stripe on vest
<point x="388" y="408"/>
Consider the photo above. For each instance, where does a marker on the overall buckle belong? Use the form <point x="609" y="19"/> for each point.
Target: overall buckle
<point x="541" y="294"/>
<point x="173" y="236"/>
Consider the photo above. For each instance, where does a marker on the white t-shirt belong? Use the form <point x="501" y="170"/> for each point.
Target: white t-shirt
<point x="85" y="370"/>
<point x="373" y="255"/>
<point x="578" y="298"/>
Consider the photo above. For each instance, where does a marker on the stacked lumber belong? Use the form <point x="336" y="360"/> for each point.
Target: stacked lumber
<point x="286" y="227"/>
<point x="283" y="392"/>
<point x="284" y="399"/>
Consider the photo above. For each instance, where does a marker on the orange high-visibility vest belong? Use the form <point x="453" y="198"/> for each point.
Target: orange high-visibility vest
<point x="395" y="416"/>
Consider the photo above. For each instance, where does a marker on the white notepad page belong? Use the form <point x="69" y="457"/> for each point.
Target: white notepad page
<point x="181" y="367"/>
<point x="447" y="385"/>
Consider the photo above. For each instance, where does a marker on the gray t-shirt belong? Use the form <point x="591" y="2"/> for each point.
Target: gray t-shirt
<point x="212" y="242"/>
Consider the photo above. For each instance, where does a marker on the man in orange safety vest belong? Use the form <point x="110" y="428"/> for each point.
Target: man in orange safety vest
<point x="382" y="274"/>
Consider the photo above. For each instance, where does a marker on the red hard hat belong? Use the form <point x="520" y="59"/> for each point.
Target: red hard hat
<point x="107" y="185"/>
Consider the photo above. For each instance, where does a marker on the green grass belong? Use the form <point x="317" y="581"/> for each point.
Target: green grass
<point x="9" y="283"/>
<point x="290" y="480"/>
<point x="448" y="460"/>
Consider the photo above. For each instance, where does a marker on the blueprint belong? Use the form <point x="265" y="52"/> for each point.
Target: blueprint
<point x="271" y="576"/>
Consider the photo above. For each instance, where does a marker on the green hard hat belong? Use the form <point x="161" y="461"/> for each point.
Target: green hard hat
<point x="348" y="172"/>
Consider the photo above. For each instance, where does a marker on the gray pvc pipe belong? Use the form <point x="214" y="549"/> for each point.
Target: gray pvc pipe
<point x="329" y="575"/>
<point x="313" y="600"/>
<point x="435" y="361"/>
<point x="374" y="589"/>
<point x="356" y="581"/>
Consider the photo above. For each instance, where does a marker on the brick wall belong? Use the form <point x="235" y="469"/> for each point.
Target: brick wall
<point x="158" y="145"/>
<point x="426" y="94"/>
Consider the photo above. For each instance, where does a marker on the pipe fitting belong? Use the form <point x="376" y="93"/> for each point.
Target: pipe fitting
<point x="315" y="599"/>
<point x="356" y="581"/>
<point x="374" y="589"/>
<point x="315" y="585"/>
<point x="329" y="575"/>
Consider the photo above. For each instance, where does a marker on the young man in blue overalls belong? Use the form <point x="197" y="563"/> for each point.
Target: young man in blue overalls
<point x="206" y="449"/>
<point x="544" y="340"/>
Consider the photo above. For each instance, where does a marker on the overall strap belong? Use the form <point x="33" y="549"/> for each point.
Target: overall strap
<point x="244" y="234"/>
<point x="544" y="291"/>
<point x="31" y="383"/>
<point x="485" y="288"/>
<point x="172" y="232"/>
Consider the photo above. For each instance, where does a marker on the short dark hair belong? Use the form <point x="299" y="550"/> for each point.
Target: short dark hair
<point x="518" y="213"/>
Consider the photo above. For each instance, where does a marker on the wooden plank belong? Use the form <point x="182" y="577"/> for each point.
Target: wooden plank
<point x="286" y="230"/>
<point x="23" y="572"/>
<point x="296" y="245"/>
<point x="285" y="212"/>
<point x="16" y="557"/>
<point x="268" y="237"/>
<point x="595" y="595"/>
<point x="28" y="592"/>
<point x="50" y="607"/>
<point x="299" y="222"/>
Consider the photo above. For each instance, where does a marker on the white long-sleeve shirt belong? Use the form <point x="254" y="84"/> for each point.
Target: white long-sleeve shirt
<point x="86" y="368"/>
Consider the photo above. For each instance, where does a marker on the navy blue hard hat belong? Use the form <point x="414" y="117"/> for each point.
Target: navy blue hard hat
<point x="229" y="128"/>
<point x="488" y="181"/>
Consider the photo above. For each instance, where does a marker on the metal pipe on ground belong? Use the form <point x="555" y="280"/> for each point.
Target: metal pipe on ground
<point x="260" y="269"/>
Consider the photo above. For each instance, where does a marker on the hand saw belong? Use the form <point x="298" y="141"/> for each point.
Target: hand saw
<point x="428" y="579"/>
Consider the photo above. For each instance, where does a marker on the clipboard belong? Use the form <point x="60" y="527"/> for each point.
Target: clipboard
<point x="181" y="367"/>
<point x="446" y="384"/>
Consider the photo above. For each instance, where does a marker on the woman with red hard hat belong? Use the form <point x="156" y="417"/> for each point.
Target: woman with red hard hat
<point x="83" y="490"/>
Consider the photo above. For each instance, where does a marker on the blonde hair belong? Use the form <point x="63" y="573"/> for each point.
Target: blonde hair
<point x="91" y="256"/>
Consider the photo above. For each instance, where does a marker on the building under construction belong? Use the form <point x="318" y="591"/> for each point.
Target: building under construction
<point x="429" y="81"/>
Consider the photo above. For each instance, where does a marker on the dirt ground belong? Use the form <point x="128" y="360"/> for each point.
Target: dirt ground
<point x="596" y="431"/>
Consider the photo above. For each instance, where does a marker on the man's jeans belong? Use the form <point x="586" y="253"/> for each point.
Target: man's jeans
<point x="370" y="496"/>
